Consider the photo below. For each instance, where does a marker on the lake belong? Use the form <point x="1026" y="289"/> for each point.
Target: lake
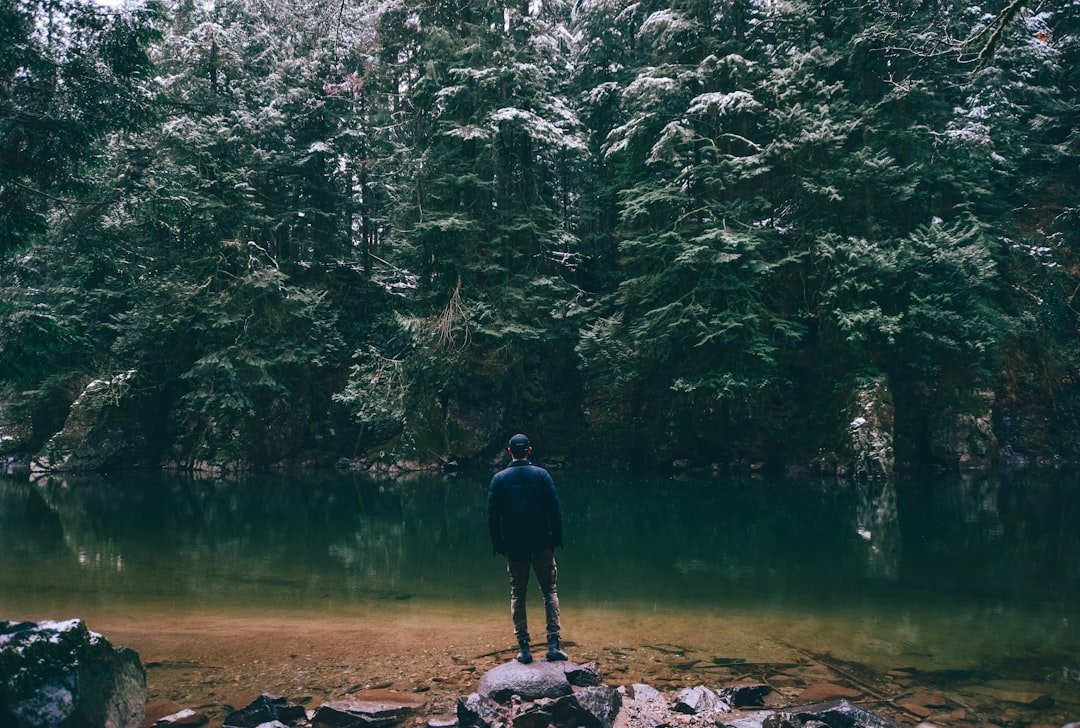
<point x="322" y="585"/>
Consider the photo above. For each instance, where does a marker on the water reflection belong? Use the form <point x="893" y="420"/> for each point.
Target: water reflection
<point x="198" y="540"/>
<point x="1013" y="538"/>
<point x="964" y="567"/>
<point x="878" y="524"/>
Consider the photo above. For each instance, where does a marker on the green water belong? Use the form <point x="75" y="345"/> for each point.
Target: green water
<point x="974" y="578"/>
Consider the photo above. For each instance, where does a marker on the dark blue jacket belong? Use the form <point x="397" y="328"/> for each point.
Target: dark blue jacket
<point x="524" y="513"/>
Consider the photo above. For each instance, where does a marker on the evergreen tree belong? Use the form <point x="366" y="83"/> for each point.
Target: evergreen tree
<point x="488" y="226"/>
<point x="689" y="352"/>
<point x="689" y="227"/>
<point x="787" y="182"/>
<point x="75" y="86"/>
<point x="259" y="225"/>
<point x="1021" y="114"/>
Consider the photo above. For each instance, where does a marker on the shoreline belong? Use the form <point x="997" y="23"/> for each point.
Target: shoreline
<point x="214" y="665"/>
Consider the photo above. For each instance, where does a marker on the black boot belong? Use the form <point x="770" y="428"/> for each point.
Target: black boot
<point x="525" y="655"/>
<point x="554" y="654"/>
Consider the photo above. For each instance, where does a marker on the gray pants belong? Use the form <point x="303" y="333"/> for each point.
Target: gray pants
<point x="518" y="571"/>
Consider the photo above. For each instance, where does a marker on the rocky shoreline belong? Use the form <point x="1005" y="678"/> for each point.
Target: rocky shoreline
<point x="563" y="695"/>
<point x="62" y="674"/>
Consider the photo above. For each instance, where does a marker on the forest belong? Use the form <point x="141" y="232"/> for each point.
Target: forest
<point x="833" y="235"/>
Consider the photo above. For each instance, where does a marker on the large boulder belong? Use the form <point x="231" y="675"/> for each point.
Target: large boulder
<point x="539" y="679"/>
<point x="870" y="430"/>
<point x="62" y="675"/>
<point x="102" y="428"/>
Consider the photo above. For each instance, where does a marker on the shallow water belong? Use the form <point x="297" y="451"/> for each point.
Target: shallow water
<point x="328" y="584"/>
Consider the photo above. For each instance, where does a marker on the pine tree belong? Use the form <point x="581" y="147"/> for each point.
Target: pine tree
<point x="75" y="84"/>
<point x="690" y="348"/>
<point x="255" y="224"/>
<point x="488" y="226"/>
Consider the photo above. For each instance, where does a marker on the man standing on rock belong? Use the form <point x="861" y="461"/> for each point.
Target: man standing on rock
<point x="525" y="522"/>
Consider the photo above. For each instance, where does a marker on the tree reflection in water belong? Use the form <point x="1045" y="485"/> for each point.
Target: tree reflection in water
<point x="957" y="576"/>
<point x="877" y="522"/>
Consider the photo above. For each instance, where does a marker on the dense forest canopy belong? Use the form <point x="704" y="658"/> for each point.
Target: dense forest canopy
<point x="831" y="233"/>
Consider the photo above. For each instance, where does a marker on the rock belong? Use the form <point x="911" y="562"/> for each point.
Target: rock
<point x="546" y="712"/>
<point x="739" y="719"/>
<point x="583" y="676"/>
<point x="871" y="428"/>
<point x="833" y="714"/>
<point x="56" y="673"/>
<point x="698" y="700"/>
<point x="644" y="693"/>
<point x="265" y="709"/>
<point x="463" y="424"/>
<point x="782" y="719"/>
<point x="359" y="713"/>
<point x="186" y="717"/>
<point x="102" y="428"/>
<point x="599" y="706"/>
<point x="539" y="679"/>
<point x="479" y="711"/>
<point x="532" y="715"/>
<point x="641" y="714"/>
<point x="743" y="696"/>
<point x="388" y="697"/>
<point x="646" y="709"/>
<point x="334" y="716"/>
<point x="442" y="721"/>
<point x="965" y="434"/>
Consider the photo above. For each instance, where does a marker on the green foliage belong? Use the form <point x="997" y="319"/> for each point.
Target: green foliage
<point x="488" y="223"/>
<point x="923" y="308"/>
<point x="71" y="76"/>
<point x="375" y="394"/>
<point x="246" y="351"/>
<point x="688" y="227"/>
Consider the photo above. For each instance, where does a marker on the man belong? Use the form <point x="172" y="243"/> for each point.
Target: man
<point x="525" y="522"/>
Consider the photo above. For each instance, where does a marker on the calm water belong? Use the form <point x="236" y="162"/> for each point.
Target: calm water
<point x="973" y="578"/>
